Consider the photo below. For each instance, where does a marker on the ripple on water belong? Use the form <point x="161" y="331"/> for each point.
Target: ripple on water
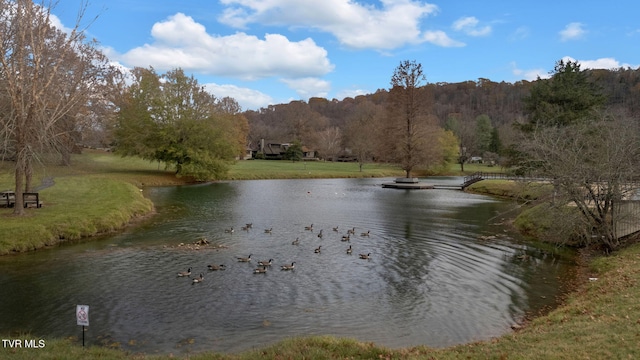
<point x="429" y="280"/>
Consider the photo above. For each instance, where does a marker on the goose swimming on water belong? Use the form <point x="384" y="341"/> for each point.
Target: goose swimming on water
<point x="184" y="273"/>
<point x="245" y="259"/>
<point x="216" y="267"/>
<point x="288" y="267"/>
<point x="265" y="263"/>
<point x="198" y="280"/>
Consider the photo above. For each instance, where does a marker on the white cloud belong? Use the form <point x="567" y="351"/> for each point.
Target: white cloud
<point x="352" y="93"/>
<point x="573" y="31"/>
<point x="469" y="25"/>
<point x="247" y="98"/>
<point x="602" y="63"/>
<point x="355" y="25"/>
<point x="530" y="74"/>
<point x="521" y="33"/>
<point x="440" y="38"/>
<point x="309" y="87"/>
<point x="181" y="42"/>
<point x="56" y="22"/>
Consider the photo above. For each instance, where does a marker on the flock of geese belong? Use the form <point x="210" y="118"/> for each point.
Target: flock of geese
<point x="266" y="264"/>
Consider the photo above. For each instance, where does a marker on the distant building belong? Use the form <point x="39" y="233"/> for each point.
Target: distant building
<point x="275" y="150"/>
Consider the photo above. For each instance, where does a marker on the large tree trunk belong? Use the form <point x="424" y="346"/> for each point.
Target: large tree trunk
<point x="18" y="208"/>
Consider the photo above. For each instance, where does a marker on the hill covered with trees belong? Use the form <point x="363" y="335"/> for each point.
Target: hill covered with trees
<point x="480" y="113"/>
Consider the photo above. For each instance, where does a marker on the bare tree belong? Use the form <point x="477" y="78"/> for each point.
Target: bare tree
<point x="406" y="130"/>
<point x="360" y="129"/>
<point x="329" y="142"/>
<point x="594" y="165"/>
<point x="49" y="76"/>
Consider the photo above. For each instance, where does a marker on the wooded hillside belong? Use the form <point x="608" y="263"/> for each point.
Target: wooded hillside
<point x="455" y="106"/>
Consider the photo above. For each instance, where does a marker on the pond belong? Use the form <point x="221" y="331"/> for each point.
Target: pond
<point x="443" y="270"/>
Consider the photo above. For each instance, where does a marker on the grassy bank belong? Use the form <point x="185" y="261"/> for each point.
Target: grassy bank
<point x="74" y="207"/>
<point x="511" y="189"/>
<point x="99" y="193"/>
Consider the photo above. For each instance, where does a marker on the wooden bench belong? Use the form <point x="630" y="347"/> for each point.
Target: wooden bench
<point x="7" y="198"/>
<point x="29" y="199"/>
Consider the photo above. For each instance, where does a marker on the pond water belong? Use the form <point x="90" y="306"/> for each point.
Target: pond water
<point x="443" y="270"/>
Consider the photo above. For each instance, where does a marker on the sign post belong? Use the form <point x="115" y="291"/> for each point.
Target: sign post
<point x="82" y="316"/>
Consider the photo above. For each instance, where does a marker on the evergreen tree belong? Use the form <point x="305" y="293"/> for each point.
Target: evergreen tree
<point x="495" y="146"/>
<point x="564" y="99"/>
<point x="294" y="152"/>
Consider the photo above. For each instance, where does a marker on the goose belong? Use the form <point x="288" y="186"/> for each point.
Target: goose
<point x="365" y="233"/>
<point x="216" y="267"/>
<point x="185" y="273"/>
<point x="336" y="228"/>
<point x="262" y="270"/>
<point x="288" y="267"/>
<point x="229" y="231"/>
<point x="268" y="231"/>
<point x="320" y="234"/>
<point x="295" y="242"/>
<point x="198" y="280"/>
<point x="249" y="225"/>
<point x="310" y="227"/>
<point x="317" y="250"/>
<point x="365" y="256"/>
<point x="349" y="250"/>
<point x="245" y="259"/>
<point x="346" y="237"/>
<point x="245" y="228"/>
<point x="351" y="231"/>
<point x="265" y="263"/>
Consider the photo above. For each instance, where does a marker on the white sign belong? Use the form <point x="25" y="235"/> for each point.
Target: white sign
<point x="82" y="315"/>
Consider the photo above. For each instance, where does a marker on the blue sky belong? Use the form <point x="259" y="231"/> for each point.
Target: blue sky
<point x="263" y="52"/>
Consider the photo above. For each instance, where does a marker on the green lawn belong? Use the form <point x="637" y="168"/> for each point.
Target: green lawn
<point x="74" y="207"/>
<point x="280" y="169"/>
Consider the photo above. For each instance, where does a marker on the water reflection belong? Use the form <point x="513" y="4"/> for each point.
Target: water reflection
<point x="431" y="278"/>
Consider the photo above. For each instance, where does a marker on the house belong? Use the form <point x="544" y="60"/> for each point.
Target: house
<point x="308" y="154"/>
<point x="275" y="150"/>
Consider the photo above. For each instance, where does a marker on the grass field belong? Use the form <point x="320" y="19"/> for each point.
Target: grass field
<point x="270" y="169"/>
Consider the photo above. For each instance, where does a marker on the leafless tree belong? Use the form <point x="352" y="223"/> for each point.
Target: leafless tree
<point x="50" y="78"/>
<point x="360" y="131"/>
<point x="406" y="132"/>
<point x="594" y="165"/>
<point x="329" y="143"/>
